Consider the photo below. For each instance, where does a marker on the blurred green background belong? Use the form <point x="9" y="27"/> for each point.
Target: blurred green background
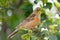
<point x="13" y="12"/>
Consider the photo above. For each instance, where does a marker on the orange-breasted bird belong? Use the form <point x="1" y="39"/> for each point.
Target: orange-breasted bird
<point x="29" y="23"/>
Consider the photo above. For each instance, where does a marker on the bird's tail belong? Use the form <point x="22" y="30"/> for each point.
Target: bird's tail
<point x="12" y="34"/>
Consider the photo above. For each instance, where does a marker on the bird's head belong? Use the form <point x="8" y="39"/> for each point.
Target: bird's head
<point x="37" y="10"/>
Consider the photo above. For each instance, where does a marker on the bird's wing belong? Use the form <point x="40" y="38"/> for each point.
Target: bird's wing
<point x="28" y="19"/>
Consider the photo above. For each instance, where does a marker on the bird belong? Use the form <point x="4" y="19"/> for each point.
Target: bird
<point x="29" y="23"/>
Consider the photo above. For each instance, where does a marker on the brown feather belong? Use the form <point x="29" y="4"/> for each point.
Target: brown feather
<point x="29" y="23"/>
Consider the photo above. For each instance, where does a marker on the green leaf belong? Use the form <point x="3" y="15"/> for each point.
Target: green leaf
<point x="53" y="37"/>
<point x="58" y="1"/>
<point x="33" y="37"/>
<point x="49" y="21"/>
<point x="56" y="4"/>
<point x="44" y="33"/>
<point x="28" y="8"/>
<point x="44" y="1"/>
<point x="13" y="21"/>
<point x="48" y="5"/>
<point x="36" y="1"/>
<point x="58" y="21"/>
<point x="25" y="37"/>
<point x="43" y="16"/>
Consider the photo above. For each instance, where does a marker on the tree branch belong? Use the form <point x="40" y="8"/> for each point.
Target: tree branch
<point x="18" y="3"/>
